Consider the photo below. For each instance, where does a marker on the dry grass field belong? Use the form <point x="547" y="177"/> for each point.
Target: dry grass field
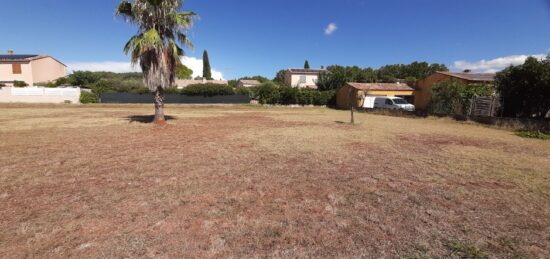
<point x="244" y="181"/>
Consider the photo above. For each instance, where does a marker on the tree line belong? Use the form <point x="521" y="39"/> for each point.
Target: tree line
<point x="337" y="75"/>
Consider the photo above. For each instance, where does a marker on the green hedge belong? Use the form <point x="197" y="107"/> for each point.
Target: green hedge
<point x="207" y="90"/>
<point x="87" y="97"/>
<point x="270" y="93"/>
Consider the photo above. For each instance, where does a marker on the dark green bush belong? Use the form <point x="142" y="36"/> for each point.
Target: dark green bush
<point x="454" y="98"/>
<point x="119" y="86"/>
<point x="288" y="95"/>
<point x="268" y="93"/>
<point x="170" y="90"/>
<point x="87" y="97"/>
<point x="19" y="84"/>
<point x="207" y="90"/>
<point x="250" y="91"/>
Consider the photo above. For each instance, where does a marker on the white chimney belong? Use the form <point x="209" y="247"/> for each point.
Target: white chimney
<point x="10" y="51"/>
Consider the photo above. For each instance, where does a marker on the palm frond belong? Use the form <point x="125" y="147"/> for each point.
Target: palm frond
<point x="125" y="9"/>
<point x="183" y="39"/>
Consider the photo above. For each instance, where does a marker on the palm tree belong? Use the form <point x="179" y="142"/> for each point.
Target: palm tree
<point x="154" y="47"/>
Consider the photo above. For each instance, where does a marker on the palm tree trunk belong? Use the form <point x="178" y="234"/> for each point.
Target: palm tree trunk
<point x="158" y="99"/>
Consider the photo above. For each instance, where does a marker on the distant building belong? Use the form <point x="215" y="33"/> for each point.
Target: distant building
<point x="303" y="78"/>
<point x="185" y="83"/>
<point x="30" y="69"/>
<point x="249" y="83"/>
<point x="423" y="92"/>
<point x="355" y="92"/>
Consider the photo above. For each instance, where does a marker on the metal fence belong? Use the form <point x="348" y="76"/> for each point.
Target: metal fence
<point x="174" y="98"/>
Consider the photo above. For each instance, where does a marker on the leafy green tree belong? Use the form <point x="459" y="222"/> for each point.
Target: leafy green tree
<point x="206" y="69"/>
<point x="331" y="80"/>
<point x="280" y="77"/>
<point x="453" y="97"/>
<point x="418" y="70"/>
<point x="83" y="78"/>
<point x="161" y="24"/>
<point x="261" y="79"/>
<point x="306" y="65"/>
<point x="525" y="89"/>
<point x="184" y="72"/>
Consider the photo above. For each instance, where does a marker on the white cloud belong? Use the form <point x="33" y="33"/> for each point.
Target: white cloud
<point x="493" y="65"/>
<point x="331" y="28"/>
<point x="123" y="67"/>
<point x="108" y="66"/>
<point x="195" y="64"/>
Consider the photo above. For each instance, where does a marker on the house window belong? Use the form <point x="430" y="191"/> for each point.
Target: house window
<point x="16" y="69"/>
<point x="302" y="79"/>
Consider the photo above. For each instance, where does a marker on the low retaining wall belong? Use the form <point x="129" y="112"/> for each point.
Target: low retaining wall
<point x="39" y="95"/>
<point x="174" y="98"/>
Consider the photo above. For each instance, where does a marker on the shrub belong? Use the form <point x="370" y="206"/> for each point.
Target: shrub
<point x="250" y="91"/>
<point x="268" y="93"/>
<point x="19" y="84"/>
<point x="170" y="90"/>
<point x="455" y="97"/>
<point x="288" y="95"/>
<point x="533" y="135"/>
<point x="87" y="97"/>
<point x="207" y="90"/>
<point x="118" y="85"/>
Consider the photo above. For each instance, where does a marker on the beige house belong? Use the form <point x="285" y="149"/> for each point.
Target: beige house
<point x="30" y="69"/>
<point x="303" y="78"/>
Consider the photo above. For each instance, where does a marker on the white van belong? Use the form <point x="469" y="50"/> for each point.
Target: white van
<point x="387" y="102"/>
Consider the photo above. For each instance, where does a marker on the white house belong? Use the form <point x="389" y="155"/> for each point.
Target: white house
<point x="303" y="78"/>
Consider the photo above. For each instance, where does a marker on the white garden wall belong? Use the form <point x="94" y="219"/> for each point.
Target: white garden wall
<point x="39" y="95"/>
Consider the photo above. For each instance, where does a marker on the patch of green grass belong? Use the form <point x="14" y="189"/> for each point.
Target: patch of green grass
<point x="533" y="134"/>
<point x="466" y="250"/>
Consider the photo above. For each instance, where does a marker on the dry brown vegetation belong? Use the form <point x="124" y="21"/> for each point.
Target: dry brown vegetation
<point x="243" y="181"/>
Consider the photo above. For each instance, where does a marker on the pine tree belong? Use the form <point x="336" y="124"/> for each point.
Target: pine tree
<point x="206" y="70"/>
<point x="306" y="65"/>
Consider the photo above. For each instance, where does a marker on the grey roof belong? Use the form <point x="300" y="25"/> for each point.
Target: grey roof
<point x="381" y="86"/>
<point x="306" y="71"/>
<point x="17" y="57"/>
<point x="474" y="77"/>
<point x="25" y="58"/>
<point x="250" y="82"/>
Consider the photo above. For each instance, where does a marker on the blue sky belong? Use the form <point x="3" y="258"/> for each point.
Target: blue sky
<point x="250" y="37"/>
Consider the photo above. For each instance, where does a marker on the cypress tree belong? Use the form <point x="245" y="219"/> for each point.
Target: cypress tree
<point x="206" y="69"/>
<point x="306" y="65"/>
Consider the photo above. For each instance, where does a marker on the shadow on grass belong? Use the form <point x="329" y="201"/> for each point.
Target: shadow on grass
<point x="146" y="118"/>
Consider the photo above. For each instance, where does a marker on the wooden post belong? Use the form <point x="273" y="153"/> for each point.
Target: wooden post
<point x="352" y="99"/>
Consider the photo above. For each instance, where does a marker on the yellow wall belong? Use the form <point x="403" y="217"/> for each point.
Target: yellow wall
<point x="391" y="93"/>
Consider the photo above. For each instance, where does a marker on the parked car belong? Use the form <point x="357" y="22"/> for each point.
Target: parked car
<point x="383" y="102"/>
